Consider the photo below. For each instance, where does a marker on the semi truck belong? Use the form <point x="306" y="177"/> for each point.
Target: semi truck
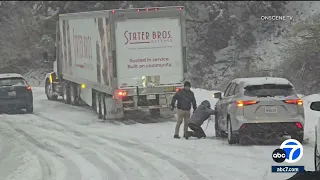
<point x="119" y="60"/>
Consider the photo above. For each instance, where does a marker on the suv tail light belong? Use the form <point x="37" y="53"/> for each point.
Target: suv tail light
<point x="29" y="88"/>
<point x="245" y="103"/>
<point x="299" y="125"/>
<point x="294" y="101"/>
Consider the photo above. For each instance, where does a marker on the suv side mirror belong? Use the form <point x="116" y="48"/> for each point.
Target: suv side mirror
<point x="315" y="106"/>
<point x="217" y="95"/>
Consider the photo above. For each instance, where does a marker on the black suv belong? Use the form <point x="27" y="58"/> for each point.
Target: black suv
<point x="15" y="93"/>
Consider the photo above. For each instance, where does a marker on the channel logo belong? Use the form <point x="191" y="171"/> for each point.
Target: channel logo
<point x="290" y="151"/>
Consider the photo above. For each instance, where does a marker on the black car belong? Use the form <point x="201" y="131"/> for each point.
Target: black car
<point x="15" y="93"/>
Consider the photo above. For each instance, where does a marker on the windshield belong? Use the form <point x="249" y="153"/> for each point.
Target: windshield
<point x="12" y="81"/>
<point x="270" y="90"/>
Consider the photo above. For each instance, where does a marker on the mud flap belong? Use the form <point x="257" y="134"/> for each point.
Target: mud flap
<point x="114" y="108"/>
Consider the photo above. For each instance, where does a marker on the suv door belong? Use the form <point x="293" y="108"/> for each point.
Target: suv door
<point x="225" y="101"/>
<point x="218" y="106"/>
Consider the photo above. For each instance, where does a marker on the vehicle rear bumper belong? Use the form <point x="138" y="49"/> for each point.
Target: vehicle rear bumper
<point x="273" y="129"/>
<point x="18" y="103"/>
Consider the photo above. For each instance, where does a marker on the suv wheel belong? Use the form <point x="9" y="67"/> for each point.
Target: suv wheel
<point x="217" y="129"/>
<point x="29" y="109"/>
<point x="316" y="157"/>
<point x="232" y="138"/>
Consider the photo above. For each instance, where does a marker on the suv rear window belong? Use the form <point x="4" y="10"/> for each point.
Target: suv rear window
<point x="270" y="90"/>
<point x="12" y="81"/>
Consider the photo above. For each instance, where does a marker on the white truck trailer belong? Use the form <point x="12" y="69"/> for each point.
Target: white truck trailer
<point x="119" y="60"/>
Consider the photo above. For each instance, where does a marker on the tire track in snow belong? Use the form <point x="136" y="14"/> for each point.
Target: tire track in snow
<point x="6" y="148"/>
<point x="91" y="155"/>
<point x="47" y="174"/>
<point x="73" y="172"/>
<point x="103" y="166"/>
<point x="185" y="169"/>
<point x="133" y="159"/>
<point x="109" y="156"/>
<point x="155" y="174"/>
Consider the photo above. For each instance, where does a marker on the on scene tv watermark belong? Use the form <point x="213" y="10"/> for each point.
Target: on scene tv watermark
<point x="290" y="151"/>
<point x="276" y="18"/>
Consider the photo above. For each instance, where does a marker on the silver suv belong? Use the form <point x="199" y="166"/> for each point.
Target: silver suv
<point x="259" y="107"/>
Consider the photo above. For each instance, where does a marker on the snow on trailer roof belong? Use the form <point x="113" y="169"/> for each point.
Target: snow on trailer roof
<point x="262" y="80"/>
<point x="10" y="75"/>
<point x="122" y="10"/>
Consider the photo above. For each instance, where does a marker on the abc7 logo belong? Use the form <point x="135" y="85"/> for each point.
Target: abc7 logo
<point x="279" y="155"/>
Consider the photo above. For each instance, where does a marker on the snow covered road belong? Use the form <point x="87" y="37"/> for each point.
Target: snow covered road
<point x="63" y="142"/>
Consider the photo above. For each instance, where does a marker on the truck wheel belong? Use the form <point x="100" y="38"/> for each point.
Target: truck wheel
<point x="154" y="112"/>
<point x="98" y="105"/>
<point x="73" y="95"/>
<point x="103" y="106"/>
<point x="49" y="91"/>
<point x="66" y="93"/>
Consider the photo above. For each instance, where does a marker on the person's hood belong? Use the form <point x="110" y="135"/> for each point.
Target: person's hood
<point x="206" y="103"/>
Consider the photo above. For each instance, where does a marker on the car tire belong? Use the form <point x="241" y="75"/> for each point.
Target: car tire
<point x="316" y="155"/>
<point x="29" y="109"/>
<point x="49" y="91"/>
<point x="98" y="104"/>
<point x="66" y="93"/>
<point x="298" y="136"/>
<point x="103" y="106"/>
<point x="216" y="127"/>
<point x="73" y="95"/>
<point x="316" y="158"/>
<point x="232" y="138"/>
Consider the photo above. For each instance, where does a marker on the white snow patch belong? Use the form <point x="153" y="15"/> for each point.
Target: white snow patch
<point x="212" y="158"/>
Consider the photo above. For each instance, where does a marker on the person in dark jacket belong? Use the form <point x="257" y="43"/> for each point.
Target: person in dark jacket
<point x="202" y="113"/>
<point x="185" y="98"/>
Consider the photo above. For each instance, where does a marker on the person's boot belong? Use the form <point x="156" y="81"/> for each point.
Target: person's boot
<point x="176" y="136"/>
<point x="186" y="135"/>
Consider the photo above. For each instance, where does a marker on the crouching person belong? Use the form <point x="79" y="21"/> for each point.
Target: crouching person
<point x="201" y="114"/>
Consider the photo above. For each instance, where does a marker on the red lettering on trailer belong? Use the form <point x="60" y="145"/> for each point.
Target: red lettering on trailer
<point x="141" y="37"/>
<point x="161" y="35"/>
<point x="82" y="46"/>
<point x="136" y="37"/>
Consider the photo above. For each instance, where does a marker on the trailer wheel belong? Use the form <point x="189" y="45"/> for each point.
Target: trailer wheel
<point x="98" y="104"/>
<point x="154" y="112"/>
<point x="49" y="91"/>
<point x="66" y="93"/>
<point x="103" y="106"/>
<point x="94" y="102"/>
<point x="73" y="94"/>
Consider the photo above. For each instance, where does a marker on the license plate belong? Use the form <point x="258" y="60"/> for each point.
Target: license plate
<point x="152" y="96"/>
<point x="13" y="93"/>
<point x="169" y="89"/>
<point x="271" y="110"/>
